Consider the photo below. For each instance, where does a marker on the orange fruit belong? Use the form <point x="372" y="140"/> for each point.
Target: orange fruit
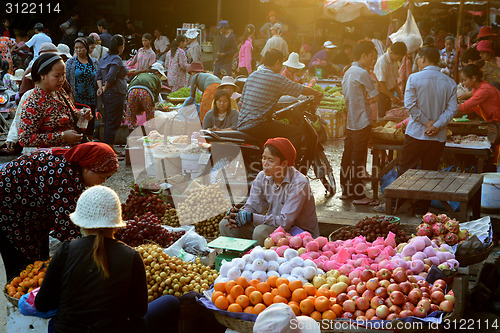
<point x="274" y="291"/>
<point x="268" y="298"/>
<point x="229" y="285"/>
<point x="253" y="283"/>
<point x="215" y="295"/>
<point x="329" y="315"/>
<point x="255" y="297"/>
<point x="306" y="306"/>
<point x="280" y="299"/>
<point x="220" y="286"/>
<point x="236" y="291"/>
<point x="230" y="299"/>
<point x="263" y="287"/>
<point x="248" y="309"/>
<point x="321" y="303"/>
<point x="241" y="281"/>
<point x="272" y="281"/>
<point x="258" y="308"/>
<point x="221" y="303"/>
<point x="295" y="285"/>
<point x="310" y="289"/>
<point x="249" y="289"/>
<point x="234" y="308"/>
<point x="293" y="302"/>
<point x="295" y="308"/>
<point x="337" y="309"/>
<point x="299" y="294"/>
<point x="316" y="315"/>
<point x="332" y="300"/>
<point x="243" y="301"/>
<point x="284" y="291"/>
<point x="333" y="294"/>
<point x="323" y="292"/>
<point x="281" y="280"/>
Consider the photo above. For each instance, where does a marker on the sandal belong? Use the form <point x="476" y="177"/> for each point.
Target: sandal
<point x="370" y="202"/>
<point x="380" y="208"/>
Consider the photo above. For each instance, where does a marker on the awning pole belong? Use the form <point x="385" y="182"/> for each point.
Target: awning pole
<point x="488" y="13"/>
<point x="459" y="32"/>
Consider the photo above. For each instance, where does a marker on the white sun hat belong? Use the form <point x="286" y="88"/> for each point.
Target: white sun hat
<point x="293" y="61"/>
<point x="227" y="81"/>
<point x="18" y="74"/>
<point x="329" y="45"/>
<point x="63" y="49"/>
<point x="192" y="33"/>
<point x="159" y="67"/>
<point x="98" y="207"/>
<point x="279" y="318"/>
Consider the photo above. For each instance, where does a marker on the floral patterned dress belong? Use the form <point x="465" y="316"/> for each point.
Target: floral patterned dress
<point x="177" y="69"/>
<point x="45" y="118"/>
<point x="6" y="44"/>
<point x="37" y="193"/>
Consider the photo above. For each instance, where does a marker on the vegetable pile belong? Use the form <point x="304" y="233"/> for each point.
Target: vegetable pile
<point x="184" y="93"/>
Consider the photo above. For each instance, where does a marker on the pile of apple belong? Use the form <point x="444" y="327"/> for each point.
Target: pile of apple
<point x="386" y="295"/>
<point x="441" y="229"/>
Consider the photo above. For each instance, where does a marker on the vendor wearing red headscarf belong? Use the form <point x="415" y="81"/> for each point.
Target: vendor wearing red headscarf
<point x="38" y="192"/>
<point x="280" y="197"/>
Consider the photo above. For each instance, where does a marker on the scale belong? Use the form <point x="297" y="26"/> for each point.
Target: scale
<point x="232" y="248"/>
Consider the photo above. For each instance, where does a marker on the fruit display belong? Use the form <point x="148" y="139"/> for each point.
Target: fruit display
<point x="210" y="227"/>
<point x="442" y="230"/>
<point x="170" y="218"/>
<point x="147" y="228"/>
<point x="30" y="278"/>
<point x="166" y="275"/>
<point x="372" y="228"/>
<point x="141" y="200"/>
<point x="261" y="264"/>
<point x="203" y="203"/>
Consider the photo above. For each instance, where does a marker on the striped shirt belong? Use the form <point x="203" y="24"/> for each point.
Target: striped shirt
<point x="262" y="91"/>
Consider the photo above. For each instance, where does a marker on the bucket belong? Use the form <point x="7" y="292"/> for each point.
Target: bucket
<point x="490" y="192"/>
<point x="190" y="163"/>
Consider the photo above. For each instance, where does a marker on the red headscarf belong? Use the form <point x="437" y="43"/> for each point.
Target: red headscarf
<point x="285" y="147"/>
<point x="95" y="156"/>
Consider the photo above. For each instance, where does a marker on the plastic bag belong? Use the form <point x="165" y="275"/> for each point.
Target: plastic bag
<point x="27" y="306"/>
<point x="408" y="34"/>
<point x="191" y="241"/>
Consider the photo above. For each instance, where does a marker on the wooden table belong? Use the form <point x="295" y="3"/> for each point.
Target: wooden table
<point x="478" y="127"/>
<point x="387" y="156"/>
<point x="437" y="185"/>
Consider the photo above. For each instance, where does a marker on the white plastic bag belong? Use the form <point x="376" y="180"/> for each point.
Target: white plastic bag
<point x="408" y="34"/>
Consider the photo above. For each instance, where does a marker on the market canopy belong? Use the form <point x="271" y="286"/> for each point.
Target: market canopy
<point x="348" y="10"/>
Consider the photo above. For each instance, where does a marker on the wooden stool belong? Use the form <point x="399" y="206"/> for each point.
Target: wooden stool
<point x="437" y="185"/>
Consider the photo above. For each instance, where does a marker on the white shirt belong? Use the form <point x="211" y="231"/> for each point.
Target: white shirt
<point x="13" y="135"/>
<point x="161" y="43"/>
<point x="387" y="71"/>
<point x="276" y="42"/>
<point x="36" y="41"/>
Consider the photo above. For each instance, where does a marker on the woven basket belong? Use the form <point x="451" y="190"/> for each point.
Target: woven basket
<point x="238" y="325"/>
<point x="474" y="258"/>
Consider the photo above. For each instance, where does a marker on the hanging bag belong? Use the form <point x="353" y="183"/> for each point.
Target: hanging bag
<point x="408" y="34"/>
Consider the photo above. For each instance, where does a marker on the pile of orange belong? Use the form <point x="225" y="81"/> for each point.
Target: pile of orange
<point x="30" y="278"/>
<point x="255" y="296"/>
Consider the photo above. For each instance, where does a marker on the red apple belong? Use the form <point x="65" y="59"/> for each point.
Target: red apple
<point x="361" y="318"/>
<point x="375" y="318"/>
<point x="437" y="297"/>
<point x="351" y="287"/>
<point x="426" y="295"/>
<point x="409" y="272"/>
<point x="362" y="303"/>
<point x="414" y="296"/>
<point x="347" y="315"/>
<point x="366" y="275"/>
<point x="420" y="312"/>
<point x="433" y="289"/>
<point x="372" y="284"/>
<point x="358" y="313"/>
<point x="395" y="309"/>
<point x="434" y="307"/>
<point x="368" y="294"/>
<point x="370" y="313"/>
<point x="393" y="287"/>
<point x="381" y="292"/>
<point x="408" y="306"/>
<point x="349" y="306"/>
<point x="450" y="298"/>
<point x="352" y="293"/>
<point x="397" y="298"/>
<point x="392" y="316"/>
<point x="341" y="298"/>
<point x="400" y="276"/>
<point x="425" y="289"/>
<point x="361" y="287"/>
<point x="382" y="311"/>
<point x="388" y="302"/>
<point x="384" y="274"/>
<point x="376" y="302"/>
<point x="412" y="279"/>
<point x="355" y="281"/>
<point x="440" y="284"/>
<point x="423" y="283"/>
<point x="406" y="287"/>
<point x="425" y="303"/>
<point x="384" y="283"/>
<point x="405" y="313"/>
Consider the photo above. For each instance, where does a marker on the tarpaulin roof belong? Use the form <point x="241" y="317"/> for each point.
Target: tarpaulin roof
<point x="348" y="10"/>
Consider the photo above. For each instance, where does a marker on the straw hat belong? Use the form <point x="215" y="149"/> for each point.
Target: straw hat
<point x="48" y="47"/>
<point x="293" y="61"/>
<point x="18" y="74"/>
<point x="159" y="67"/>
<point x="63" y="50"/>
<point x="329" y="45"/>
<point x="98" y="207"/>
<point x="228" y="81"/>
<point x="192" y="33"/>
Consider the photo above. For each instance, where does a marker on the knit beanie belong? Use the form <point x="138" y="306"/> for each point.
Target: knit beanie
<point x="285" y="147"/>
<point x="98" y="207"/>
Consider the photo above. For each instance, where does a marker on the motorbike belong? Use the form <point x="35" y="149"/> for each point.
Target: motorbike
<point x="225" y="146"/>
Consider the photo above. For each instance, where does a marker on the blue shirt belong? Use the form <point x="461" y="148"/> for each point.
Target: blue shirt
<point x="357" y="87"/>
<point x="262" y="91"/>
<point x="112" y="70"/>
<point x="430" y="95"/>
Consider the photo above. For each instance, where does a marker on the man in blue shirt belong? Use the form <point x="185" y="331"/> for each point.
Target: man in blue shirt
<point x="36" y="41"/>
<point x="105" y="36"/>
<point x="228" y="48"/>
<point x="359" y="92"/>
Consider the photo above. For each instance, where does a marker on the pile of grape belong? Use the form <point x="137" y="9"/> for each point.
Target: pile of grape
<point x="141" y="201"/>
<point x="170" y="218"/>
<point x="147" y="228"/>
<point x="209" y="228"/>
